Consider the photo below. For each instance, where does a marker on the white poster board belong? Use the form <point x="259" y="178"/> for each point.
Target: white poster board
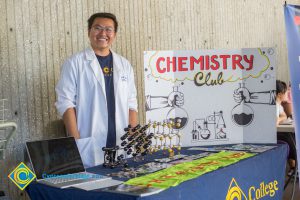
<point x="213" y="96"/>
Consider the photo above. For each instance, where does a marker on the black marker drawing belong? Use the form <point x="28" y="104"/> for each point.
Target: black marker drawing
<point x="175" y="100"/>
<point x="243" y="114"/>
<point x="202" y="128"/>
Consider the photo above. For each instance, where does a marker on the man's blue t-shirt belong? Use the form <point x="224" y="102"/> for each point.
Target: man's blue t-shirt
<point x="106" y="63"/>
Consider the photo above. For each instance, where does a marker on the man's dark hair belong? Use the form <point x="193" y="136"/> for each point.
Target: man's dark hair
<point x="280" y="87"/>
<point x="103" y="15"/>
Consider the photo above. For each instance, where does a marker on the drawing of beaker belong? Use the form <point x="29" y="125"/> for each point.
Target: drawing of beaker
<point x="178" y="116"/>
<point x="242" y="114"/>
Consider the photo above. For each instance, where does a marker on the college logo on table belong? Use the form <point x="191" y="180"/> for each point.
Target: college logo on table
<point x="21" y="176"/>
<point x="263" y="190"/>
<point x="235" y="192"/>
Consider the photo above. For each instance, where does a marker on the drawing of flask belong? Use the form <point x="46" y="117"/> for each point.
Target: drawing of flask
<point x="242" y="114"/>
<point x="205" y="133"/>
<point x="177" y="115"/>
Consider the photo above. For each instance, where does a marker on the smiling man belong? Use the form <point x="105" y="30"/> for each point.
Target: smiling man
<point x="96" y="93"/>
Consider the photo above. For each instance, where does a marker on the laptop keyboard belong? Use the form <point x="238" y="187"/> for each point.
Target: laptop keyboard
<point x="70" y="178"/>
<point x="61" y="180"/>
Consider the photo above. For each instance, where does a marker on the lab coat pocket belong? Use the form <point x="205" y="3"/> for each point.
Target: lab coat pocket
<point x="86" y="150"/>
<point x="123" y="88"/>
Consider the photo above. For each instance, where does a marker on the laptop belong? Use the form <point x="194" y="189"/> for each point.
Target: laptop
<point x="57" y="162"/>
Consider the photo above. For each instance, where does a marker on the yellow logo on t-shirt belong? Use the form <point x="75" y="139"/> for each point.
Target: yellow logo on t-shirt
<point x="107" y="71"/>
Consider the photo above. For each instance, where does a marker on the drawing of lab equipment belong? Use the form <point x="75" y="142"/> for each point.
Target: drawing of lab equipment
<point x="243" y="114"/>
<point x="200" y="130"/>
<point x="201" y="127"/>
<point x="175" y="100"/>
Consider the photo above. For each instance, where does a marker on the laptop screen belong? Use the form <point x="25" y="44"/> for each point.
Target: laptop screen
<point x="54" y="157"/>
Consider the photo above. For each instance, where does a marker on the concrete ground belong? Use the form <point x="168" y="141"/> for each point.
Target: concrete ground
<point x="288" y="192"/>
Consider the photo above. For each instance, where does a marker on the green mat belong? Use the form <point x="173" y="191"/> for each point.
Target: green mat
<point x="179" y="173"/>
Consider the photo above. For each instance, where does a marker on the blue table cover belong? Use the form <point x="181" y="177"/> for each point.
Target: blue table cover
<point x="259" y="177"/>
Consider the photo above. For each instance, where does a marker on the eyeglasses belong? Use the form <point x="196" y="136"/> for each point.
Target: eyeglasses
<point x="98" y="29"/>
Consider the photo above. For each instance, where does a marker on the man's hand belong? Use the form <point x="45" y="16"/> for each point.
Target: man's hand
<point x="133" y="118"/>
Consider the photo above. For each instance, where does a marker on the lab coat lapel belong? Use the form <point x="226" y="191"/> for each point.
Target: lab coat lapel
<point x="94" y="64"/>
<point x="117" y="70"/>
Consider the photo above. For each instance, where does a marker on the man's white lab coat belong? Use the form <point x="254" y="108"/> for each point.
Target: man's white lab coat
<point x="82" y="86"/>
